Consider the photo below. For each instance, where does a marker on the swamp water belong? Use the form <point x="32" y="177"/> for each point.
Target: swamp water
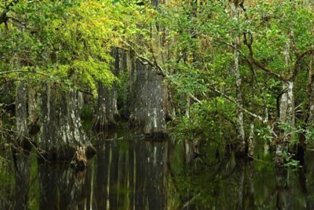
<point x="128" y="173"/>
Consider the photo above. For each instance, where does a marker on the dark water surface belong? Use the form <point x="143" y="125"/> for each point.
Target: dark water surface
<point x="132" y="174"/>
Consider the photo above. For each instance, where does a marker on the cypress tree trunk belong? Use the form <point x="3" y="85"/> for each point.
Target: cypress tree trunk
<point x="62" y="135"/>
<point x="287" y="106"/>
<point x="21" y="116"/>
<point x="147" y="96"/>
<point x="22" y="147"/>
<point x="251" y="141"/>
<point x="286" y="115"/>
<point x="238" y="83"/>
<point x="310" y="90"/>
<point x="240" y="122"/>
<point x="107" y="108"/>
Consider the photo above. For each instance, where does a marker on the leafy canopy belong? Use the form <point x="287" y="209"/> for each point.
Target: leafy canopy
<point x="68" y="42"/>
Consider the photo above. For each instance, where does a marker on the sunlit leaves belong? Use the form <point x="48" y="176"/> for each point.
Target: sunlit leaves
<point x="69" y="41"/>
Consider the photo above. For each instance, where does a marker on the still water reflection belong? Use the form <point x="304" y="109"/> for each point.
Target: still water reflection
<point x="136" y="174"/>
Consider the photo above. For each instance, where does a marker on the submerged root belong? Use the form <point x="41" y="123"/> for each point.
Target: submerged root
<point x="79" y="160"/>
<point x="77" y="156"/>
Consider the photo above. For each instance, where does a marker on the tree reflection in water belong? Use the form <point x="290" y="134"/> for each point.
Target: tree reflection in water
<point x="137" y="174"/>
<point x="130" y="175"/>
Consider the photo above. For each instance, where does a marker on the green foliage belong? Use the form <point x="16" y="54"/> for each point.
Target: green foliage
<point x="196" y="45"/>
<point x="204" y="122"/>
<point x="200" y="41"/>
<point x="68" y="42"/>
<point x="265" y="134"/>
<point x="189" y="127"/>
<point x="310" y="135"/>
<point x="290" y="162"/>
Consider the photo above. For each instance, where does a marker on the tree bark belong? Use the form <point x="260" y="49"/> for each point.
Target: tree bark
<point x="251" y="142"/>
<point x="22" y="147"/>
<point x="240" y="122"/>
<point x="21" y="116"/>
<point x="148" y="95"/>
<point x="62" y="136"/>
<point x="310" y="90"/>
<point x="286" y="115"/>
<point x="286" y="112"/>
<point x="238" y="83"/>
<point x="107" y="108"/>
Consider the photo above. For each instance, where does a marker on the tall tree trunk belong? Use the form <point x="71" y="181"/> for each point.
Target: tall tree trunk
<point x="286" y="114"/>
<point x="240" y="122"/>
<point x="251" y="141"/>
<point x="238" y="83"/>
<point x="147" y="100"/>
<point x="107" y="108"/>
<point x="310" y="93"/>
<point x="21" y="116"/>
<point x="62" y="136"/>
<point x="150" y="93"/>
<point x="22" y="147"/>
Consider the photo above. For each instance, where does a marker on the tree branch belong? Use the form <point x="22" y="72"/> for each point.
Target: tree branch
<point x="257" y="63"/>
<point x="22" y="71"/>
<point x="263" y="120"/>
<point x="298" y="63"/>
<point x="161" y="71"/>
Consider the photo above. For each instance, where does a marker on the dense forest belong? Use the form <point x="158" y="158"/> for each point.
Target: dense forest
<point x="220" y="82"/>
